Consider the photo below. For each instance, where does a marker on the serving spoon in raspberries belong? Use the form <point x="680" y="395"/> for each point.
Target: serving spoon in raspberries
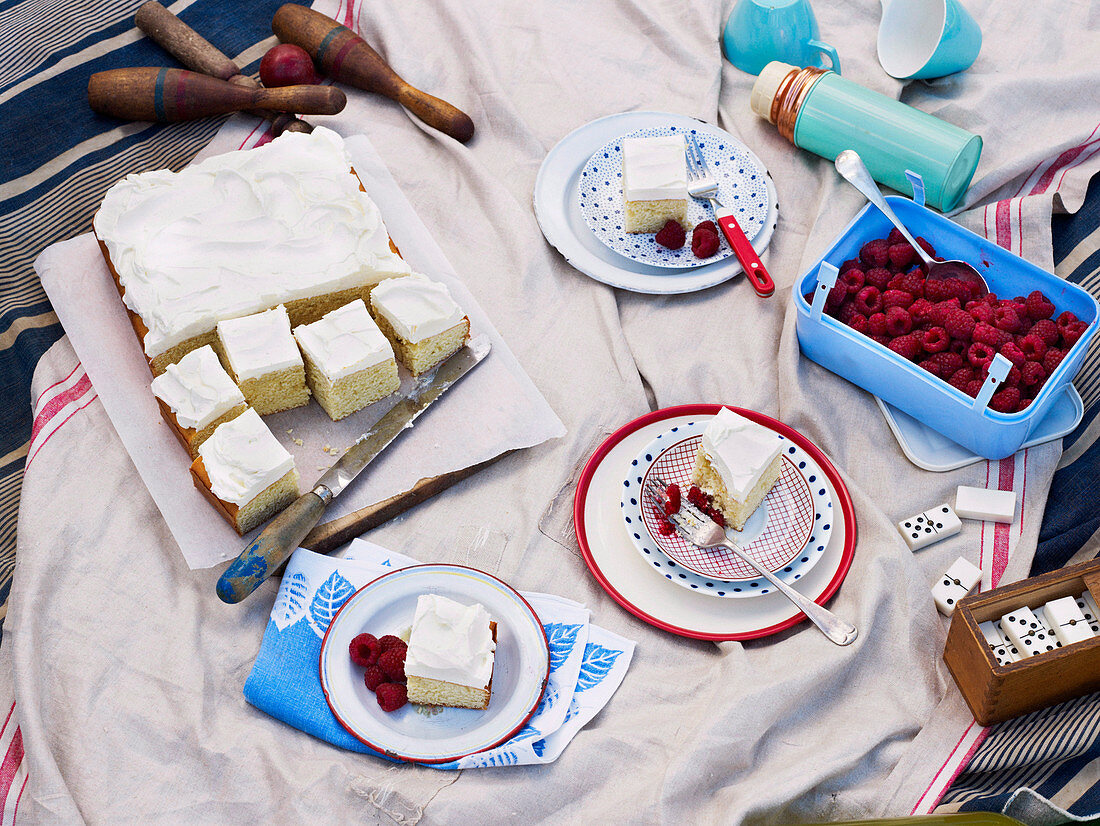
<point x="851" y="168"/>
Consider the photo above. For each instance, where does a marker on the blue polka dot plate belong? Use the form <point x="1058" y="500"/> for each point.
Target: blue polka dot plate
<point x="742" y="186"/>
<point x="787" y="534"/>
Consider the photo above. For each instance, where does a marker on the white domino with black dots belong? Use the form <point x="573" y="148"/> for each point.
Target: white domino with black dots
<point x="1067" y="620"/>
<point x="1027" y="632"/>
<point x="956" y="582"/>
<point x="931" y="526"/>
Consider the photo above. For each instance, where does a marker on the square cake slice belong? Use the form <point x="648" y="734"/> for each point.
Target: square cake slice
<point x="245" y="473"/>
<point x="349" y="362"/>
<point x="264" y="360"/>
<point x="421" y="320"/>
<point x="195" y="395"/>
<point x="451" y="654"/>
<point x="654" y="182"/>
<point x="738" y="462"/>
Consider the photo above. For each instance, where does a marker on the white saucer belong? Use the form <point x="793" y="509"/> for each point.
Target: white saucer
<point x="557" y="210"/>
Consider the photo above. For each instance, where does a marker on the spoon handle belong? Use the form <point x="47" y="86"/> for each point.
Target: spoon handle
<point x="850" y="166"/>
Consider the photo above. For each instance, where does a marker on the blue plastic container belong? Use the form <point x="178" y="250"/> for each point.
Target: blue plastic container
<point x="902" y="383"/>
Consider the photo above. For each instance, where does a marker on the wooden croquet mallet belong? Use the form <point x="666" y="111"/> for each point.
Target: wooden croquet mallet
<point x="160" y="94"/>
<point x="344" y="56"/>
<point x="199" y="55"/>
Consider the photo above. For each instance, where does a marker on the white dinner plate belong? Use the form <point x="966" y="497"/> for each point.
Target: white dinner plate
<point x="742" y="186"/>
<point x="643" y="591"/>
<point x="386" y="606"/>
<point x="557" y="210"/>
<point x="787" y="534"/>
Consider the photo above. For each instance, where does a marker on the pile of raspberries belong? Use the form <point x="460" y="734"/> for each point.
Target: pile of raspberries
<point x="704" y="238"/>
<point x="384" y="659"/>
<point x="944" y="326"/>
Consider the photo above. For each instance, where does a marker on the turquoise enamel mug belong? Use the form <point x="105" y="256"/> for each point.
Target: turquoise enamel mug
<point x="920" y="39"/>
<point x="761" y="31"/>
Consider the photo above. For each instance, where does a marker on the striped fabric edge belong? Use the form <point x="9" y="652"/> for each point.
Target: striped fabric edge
<point x="1003" y="223"/>
<point x="56" y="405"/>
<point x="13" y="769"/>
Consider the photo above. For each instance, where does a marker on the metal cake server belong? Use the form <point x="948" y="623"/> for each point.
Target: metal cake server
<point x="286" y="531"/>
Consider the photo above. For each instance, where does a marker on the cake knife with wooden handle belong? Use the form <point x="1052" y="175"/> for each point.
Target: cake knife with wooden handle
<point x="286" y="531"/>
<point x="344" y="56"/>
<point x="160" y="94"/>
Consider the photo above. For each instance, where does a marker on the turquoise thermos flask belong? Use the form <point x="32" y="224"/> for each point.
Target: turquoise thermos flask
<point x="824" y="113"/>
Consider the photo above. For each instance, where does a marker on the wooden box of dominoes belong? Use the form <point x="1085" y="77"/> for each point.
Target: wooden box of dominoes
<point x="1027" y="645"/>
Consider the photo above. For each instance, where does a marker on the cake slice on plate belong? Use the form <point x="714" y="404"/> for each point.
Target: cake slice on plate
<point x="451" y="654"/>
<point x="738" y="462"/>
<point x="195" y="395"/>
<point x="654" y="182"/>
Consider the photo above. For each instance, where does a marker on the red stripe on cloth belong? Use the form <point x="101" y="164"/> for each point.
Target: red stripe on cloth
<point x="11" y="711"/>
<point x="1004" y="224"/>
<point x="55" y="384"/>
<point x="349" y="14"/>
<point x="262" y="124"/>
<point x="943" y="765"/>
<point x="11" y="763"/>
<point x="1001" y="531"/>
<point x="58" y="403"/>
<point x="62" y="424"/>
<point x="1081" y="159"/>
<point x="1023" y="494"/>
<point x="15" y="811"/>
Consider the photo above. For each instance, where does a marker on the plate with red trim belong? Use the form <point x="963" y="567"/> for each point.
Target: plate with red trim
<point x="787" y="534"/>
<point x="645" y="591"/>
<point x="386" y="606"/>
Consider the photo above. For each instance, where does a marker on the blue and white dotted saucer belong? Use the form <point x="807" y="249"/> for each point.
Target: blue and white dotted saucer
<point x="742" y="186"/>
<point x="788" y="533"/>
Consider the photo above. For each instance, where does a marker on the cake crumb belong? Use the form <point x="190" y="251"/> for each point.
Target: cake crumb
<point x="297" y="441"/>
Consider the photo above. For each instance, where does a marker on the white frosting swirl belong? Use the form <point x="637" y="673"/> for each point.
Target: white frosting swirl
<point x="197" y="389"/>
<point x="416" y="307"/>
<point x="740" y="451"/>
<point x="654" y="169"/>
<point x="344" y="342"/>
<point x="240" y="233"/>
<point x="242" y="458"/>
<point x="450" y="641"/>
<point x="259" y="344"/>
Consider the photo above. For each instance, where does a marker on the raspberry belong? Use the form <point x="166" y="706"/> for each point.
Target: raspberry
<point x="664" y="527"/>
<point x="1005" y="318"/>
<point x="1066" y="318"/>
<point x="1014" y="377"/>
<point x="895" y="236"/>
<point x="671" y="235"/>
<point x="961" y="378"/>
<point x="897" y="298"/>
<point x="709" y="225"/>
<point x="884" y="340"/>
<point x="875" y="253"/>
<point x="697" y="497"/>
<point x="936" y="291"/>
<point x="1033" y="347"/>
<point x="959" y="324"/>
<point x="390" y="641"/>
<point x="1052" y="359"/>
<point x="858" y="322"/>
<point x="921" y="310"/>
<point x="910" y="282"/>
<point x="944" y="364"/>
<point x="987" y="334"/>
<point x="868" y="300"/>
<point x="980" y="354"/>
<point x="391" y="696"/>
<point x="835" y="297"/>
<point x="715" y="515"/>
<point x="1005" y="400"/>
<point x="876" y="324"/>
<point x="963" y="290"/>
<point x="374" y="677"/>
<point x="959" y="347"/>
<point x="983" y="314"/>
<point x="1033" y="374"/>
<point x="941" y="310"/>
<point x="1013" y="353"/>
<point x="847" y="312"/>
<point x="393" y="663"/>
<point x="704" y="242"/>
<point x="901" y="254"/>
<point x="934" y="340"/>
<point x="1045" y="329"/>
<point x="878" y="277"/>
<point x="898" y="321"/>
<point x="974" y="388"/>
<point x="364" y="649"/>
<point x="927" y="247"/>
<point x="1072" y="332"/>
<point x="672" y="499"/>
<point x="853" y="280"/>
<point x="907" y="346"/>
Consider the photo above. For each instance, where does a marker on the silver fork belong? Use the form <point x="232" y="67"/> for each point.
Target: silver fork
<point x="700" y="530"/>
<point x="702" y="186"/>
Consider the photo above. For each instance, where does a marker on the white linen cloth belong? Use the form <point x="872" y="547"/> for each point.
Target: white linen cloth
<point x="128" y="672"/>
<point x="587" y="662"/>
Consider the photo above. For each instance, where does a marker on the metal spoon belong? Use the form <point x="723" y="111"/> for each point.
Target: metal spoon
<point x="851" y="168"/>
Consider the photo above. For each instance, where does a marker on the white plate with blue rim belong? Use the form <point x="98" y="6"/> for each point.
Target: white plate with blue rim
<point x="742" y="186"/>
<point x="557" y="209"/>
<point x="386" y="606"/>
<point x="788" y="533"/>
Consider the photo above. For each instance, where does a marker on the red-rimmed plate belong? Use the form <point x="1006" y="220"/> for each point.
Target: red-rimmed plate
<point x="645" y="591"/>
<point x="386" y="606"/>
<point x="788" y="533"/>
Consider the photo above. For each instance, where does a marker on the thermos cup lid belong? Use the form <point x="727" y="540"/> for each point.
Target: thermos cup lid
<point x="765" y="87"/>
